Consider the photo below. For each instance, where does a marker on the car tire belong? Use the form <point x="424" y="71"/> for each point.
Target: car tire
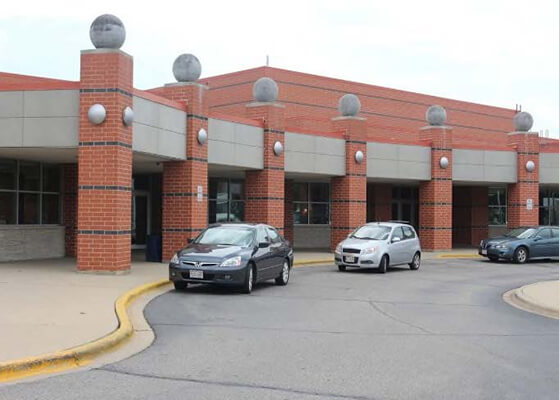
<point x="383" y="264"/>
<point x="493" y="259"/>
<point x="180" y="285"/>
<point x="415" y="262"/>
<point x="520" y="255"/>
<point x="341" y="268"/>
<point x="283" y="278"/>
<point x="249" y="280"/>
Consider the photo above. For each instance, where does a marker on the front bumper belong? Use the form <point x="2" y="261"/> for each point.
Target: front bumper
<point x="494" y="252"/>
<point x="360" y="260"/>
<point x="219" y="276"/>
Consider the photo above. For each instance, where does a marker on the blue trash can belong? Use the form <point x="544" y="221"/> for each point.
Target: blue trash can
<point x="153" y="248"/>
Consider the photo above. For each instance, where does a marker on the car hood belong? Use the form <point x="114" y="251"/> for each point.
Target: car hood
<point x="501" y="240"/>
<point x="359" y="243"/>
<point x="210" y="252"/>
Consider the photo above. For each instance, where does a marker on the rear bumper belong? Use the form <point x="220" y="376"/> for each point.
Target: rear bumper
<point x="221" y="276"/>
<point x="362" y="261"/>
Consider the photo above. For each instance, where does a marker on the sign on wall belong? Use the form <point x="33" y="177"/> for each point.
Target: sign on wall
<point x="529" y="204"/>
<point x="199" y="193"/>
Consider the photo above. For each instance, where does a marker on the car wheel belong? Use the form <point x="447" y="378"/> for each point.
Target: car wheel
<point x="180" y="285"/>
<point x="341" y="268"/>
<point x="416" y="262"/>
<point x="283" y="278"/>
<point x="521" y="255"/>
<point x="249" y="280"/>
<point x="493" y="259"/>
<point x="383" y="264"/>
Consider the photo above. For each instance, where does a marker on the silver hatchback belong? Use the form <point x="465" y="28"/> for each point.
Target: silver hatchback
<point x="379" y="245"/>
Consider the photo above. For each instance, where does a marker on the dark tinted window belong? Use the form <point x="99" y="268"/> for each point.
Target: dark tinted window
<point x="545" y="233"/>
<point x="50" y="209"/>
<point x="7" y="175"/>
<point x="28" y="208"/>
<point x="7" y="208"/>
<point x="51" y="178"/>
<point x="319" y="192"/>
<point x="408" y="232"/>
<point x="29" y="176"/>
<point x="274" y="236"/>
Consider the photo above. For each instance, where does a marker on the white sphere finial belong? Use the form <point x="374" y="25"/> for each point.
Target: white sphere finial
<point x="107" y="32"/>
<point x="187" y="68"/>
<point x="349" y="105"/>
<point x="523" y="122"/>
<point x="265" y="90"/>
<point x="436" y="115"/>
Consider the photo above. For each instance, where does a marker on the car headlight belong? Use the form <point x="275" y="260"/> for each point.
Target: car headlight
<point x="339" y="248"/>
<point x="231" y="262"/>
<point x="502" y="246"/>
<point x="369" y="250"/>
<point x="175" y="258"/>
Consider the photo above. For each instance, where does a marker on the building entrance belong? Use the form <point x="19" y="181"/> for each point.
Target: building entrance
<point x="141" y="221"/>
<point x="404" y="204"/>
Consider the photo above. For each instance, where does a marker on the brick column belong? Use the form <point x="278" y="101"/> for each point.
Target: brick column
<point x="265" y="197"/>
<point x="104" y="163"/>
<point x="435" y="196"/>
<point x="185" y="212"/>
<point x="527" y="185"/>
<point x="70" y="207"/>
<point x="349" y="192"/>
<point x="288" y="211"/>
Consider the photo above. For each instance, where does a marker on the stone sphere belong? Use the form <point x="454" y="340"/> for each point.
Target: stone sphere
<point x="435" y="115"/>
<point x="523" y="122"/>
<point x="349" y="105"/>
<point x="265" y="90"/>
<point x="187" y="68"/>
<point x="107" y="32"/>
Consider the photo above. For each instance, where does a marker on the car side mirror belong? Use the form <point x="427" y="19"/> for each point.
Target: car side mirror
<point x="190" y="240"/>
<point x="537" y="238"/>
<point x="263" y="245"/>
<point x="396" y="239"/>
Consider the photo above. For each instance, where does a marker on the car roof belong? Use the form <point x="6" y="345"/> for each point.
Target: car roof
<point x="388" y="223"/>
<point x="237" y="224"/>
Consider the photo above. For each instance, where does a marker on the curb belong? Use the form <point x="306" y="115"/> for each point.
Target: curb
<point x="314" y="262"/>
<point x="517" y="298"/>
<point x="458" y="256"/>
<point x="83" y="354"/>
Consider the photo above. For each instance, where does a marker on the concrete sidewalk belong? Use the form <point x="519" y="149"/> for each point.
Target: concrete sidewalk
<point x="540" y="298"/>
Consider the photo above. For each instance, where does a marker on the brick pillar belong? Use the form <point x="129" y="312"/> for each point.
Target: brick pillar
<point x="435" y="196"/>
<point x="480" y="214"/>
<point x="379" y="202"/>
<point x="70" y="207"/>
<point x="288" y="211"/>
<point x="265" y="192"/>
<point x="104" y="163"/>
<point x="185" y="183"/>
<point x="349" y="192"/>
<point x="527" y="184"/>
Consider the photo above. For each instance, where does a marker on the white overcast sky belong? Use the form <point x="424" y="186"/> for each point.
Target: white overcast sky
<point x="488" y="51"/>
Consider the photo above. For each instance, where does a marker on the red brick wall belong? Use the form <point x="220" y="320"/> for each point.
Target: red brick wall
<point x="527" y="186"/>
<point x="435" y="196"/>
<point x="70" y="206"/>
<point x="349" y="192"/>
<point x="264" y="190"/>
<point x="105" y="163"/>
<point x="183" y="215"/>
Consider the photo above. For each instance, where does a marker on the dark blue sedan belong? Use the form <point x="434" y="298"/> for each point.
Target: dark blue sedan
<point x="523" y="244"/>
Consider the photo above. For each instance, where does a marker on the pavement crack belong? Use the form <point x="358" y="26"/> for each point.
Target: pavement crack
<point x="239" y="385"/>
<point x="394" y="318"/>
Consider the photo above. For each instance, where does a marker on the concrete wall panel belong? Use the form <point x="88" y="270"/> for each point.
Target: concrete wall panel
<point x="234" y="144"/>
<point x="11" y="104"/>
<point x="484" y="166"/>
<point x="314" y="154"/>
<point x="50" y="132"/>
<point x="549" y="168"/>
<point x="51" y="103"/>
<point x="311" y="237"/>
<point x="11" y="132"/>
<point x="397" y="161"/>
<point x="28" y="242"/>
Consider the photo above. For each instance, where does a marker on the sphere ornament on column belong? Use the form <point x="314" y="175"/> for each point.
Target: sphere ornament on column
<point x="443" y="162"/>
<point x="349" y="105"/>
<point x="436" y="115"/>
<point x="107" y="32"/>
<point x="96" y="114"/>
<point x="202" y="136"/>
<point x="187" y="68"/>
<point x="278" y="148"/>
<point x="359" y="156"/>
<point x="530" y="166"/>
<point x="523" y="122"/>
<point x="265" y="90"/>
<point x="127" y="116"/>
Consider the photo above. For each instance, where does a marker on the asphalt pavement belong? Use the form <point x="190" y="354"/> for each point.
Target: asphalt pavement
<point x="442" y="332"/>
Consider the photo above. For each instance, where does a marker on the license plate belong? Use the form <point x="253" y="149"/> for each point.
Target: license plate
<point x="349" y="259"/>
<point x="195" y="274"/>
<point x="483" y="252"/>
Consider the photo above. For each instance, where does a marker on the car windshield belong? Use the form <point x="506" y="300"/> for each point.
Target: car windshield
<point x="226" y="236"/>
<point x="371" y="232"/>
<point x="521" y="233"/>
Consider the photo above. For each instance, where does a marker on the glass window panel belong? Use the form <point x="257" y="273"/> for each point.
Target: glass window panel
<point x="273" y="235"/>
<point x="7" y="208"/>
<point x="405" y="193"/>
<point x="395" y="213"/>
<point x="545" y="233"/>
<point x="141" y="182"/>
<point x="8" y="174"/>
<point x="300" y="213"/>
<point x="544" y="216"/>
<point x="212" y="188"/>
<point x="237" y="191"/>
<point x="319" y="213"/>
<point x="218" y="189"/>
<point x="554" y="213"/>
<point x="497" y="197"/>
<point x="221" y="212"/>
<point x="237" y="213"/>
<point x="51" y="209"/>
<point x="319" y="192"/>
<point x="397" y="233"/>
<point x="555" y="232"/>
<point x="29" y="176"/>
<point x="211" y="211"/>
<point x="28" y="208"/>
<point x="300" y="192"/>
<point x="51" y="178"/>
<point x="497" y="216"/>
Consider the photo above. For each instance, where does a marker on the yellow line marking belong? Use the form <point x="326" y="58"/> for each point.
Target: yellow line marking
<point x="85" y="353"/>
<point x="458" y="256"/>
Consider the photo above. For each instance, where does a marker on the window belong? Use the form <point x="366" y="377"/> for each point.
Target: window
<point x="29" y="193"/>
<point x="408" y="232"/>
<point x="497" y="206"/>
<point x="555" y="232"/>
<point x="549" y="207"/>
<point x="311" y="203"/>
<point x="262" y="236"/>
<point x="274" y="236"/>
<point x="226" y="200"/>
<point x="397" y="233"/>
<point x="545" y="233"/>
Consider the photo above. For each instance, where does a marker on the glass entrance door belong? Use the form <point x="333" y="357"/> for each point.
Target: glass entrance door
<point x="140" y="219"/>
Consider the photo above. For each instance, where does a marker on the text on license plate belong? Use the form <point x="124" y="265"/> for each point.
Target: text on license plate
<point x="349" y="259"/>
<point x="484" y="252"/>
<point x="196" y="274"/>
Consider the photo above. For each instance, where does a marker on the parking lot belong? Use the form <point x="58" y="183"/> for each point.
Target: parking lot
<point x="440" y="332"/>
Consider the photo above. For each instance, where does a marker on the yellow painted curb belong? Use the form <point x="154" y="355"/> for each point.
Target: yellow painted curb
<point x="83" y="354"/>
<point x="458" y="256"/>
<point x="313" y="262"/>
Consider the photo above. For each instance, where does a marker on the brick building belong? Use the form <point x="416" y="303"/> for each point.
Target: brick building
<point x="90" y="169"/>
